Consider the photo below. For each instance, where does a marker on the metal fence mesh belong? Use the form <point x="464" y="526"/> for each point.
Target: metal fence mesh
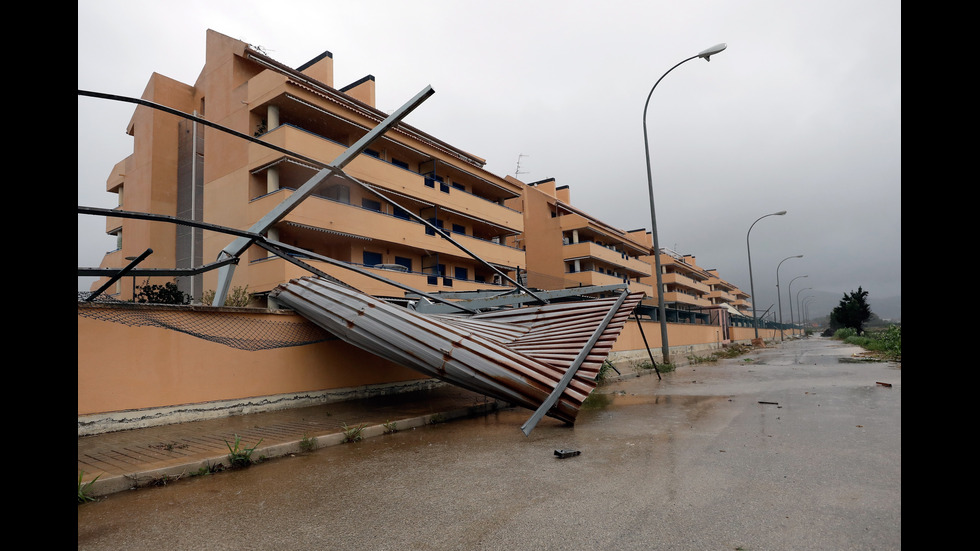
<point x="241" y="332"/>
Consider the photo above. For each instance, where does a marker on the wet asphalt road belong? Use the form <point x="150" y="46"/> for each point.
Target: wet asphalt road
<point x="786" y="448"/>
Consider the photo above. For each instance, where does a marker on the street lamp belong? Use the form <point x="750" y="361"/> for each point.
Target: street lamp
<point x="779" y="299"/>
<point x="665" y="347"/>
<point x="798" y="309"/>
<point x="755" y="320"/>
<point x="790" y="292"/>
<point x="807" y="301"/>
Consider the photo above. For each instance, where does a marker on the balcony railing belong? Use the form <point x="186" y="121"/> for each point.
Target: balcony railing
<point x="588" y="249"/>
<point x="387" y="176"/>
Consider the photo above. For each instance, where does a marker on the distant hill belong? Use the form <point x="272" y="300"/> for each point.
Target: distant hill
<point x="819" y="307"/>
<point x="888" y="308"/>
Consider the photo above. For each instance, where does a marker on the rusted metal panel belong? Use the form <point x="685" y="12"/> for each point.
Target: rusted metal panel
<point x="519" y="355"/>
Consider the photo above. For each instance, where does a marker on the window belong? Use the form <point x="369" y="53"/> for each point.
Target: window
<point x="370" y="204"/>
<point x="459" y="229"/>
<point x="443" y="187"/>
<point x="461" y="273"/>
<point x="403" y="261"/>
<point x="372" y="153"/>
<point x="399" y="212"/>
<point x="459" y="186"/>
<point x="338" y="192"/>
<point x="431" y="179"/>
<point x="400" y="163"/>
<point x="371" y="259"/>
<point x="435" y="222"/>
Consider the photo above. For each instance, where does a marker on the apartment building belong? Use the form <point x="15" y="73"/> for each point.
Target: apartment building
<point x="723" y="292"/>
<point x="685" y="283"/>
<point x="194" y="171"/>
<point x="566" y="247"/>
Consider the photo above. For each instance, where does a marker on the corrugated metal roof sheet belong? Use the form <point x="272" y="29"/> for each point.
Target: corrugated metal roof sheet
<point x="519" y="355"/>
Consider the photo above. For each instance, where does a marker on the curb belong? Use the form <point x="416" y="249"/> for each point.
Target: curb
<point x="165" y="475"/>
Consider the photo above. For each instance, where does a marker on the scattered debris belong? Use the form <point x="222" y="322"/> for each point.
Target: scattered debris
<point x="562" y="454"/>
<point x="772" y="403"/>
<point x="887" y="385"/>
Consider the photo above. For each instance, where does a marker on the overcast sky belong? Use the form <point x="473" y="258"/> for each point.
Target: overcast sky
<point x="802" y="111"/>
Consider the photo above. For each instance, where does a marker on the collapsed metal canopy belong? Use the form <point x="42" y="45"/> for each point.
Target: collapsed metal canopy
<point x="545" y="358"/>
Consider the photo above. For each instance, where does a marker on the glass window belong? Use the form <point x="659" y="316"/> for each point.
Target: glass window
<point x="370" y="258"/>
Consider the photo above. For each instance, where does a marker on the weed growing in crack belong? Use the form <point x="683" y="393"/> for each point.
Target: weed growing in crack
<point x="352" y="434"/>
<point x="239" y="456"/>
<point x="308" y="443"/>
<point x="85" y="488"/>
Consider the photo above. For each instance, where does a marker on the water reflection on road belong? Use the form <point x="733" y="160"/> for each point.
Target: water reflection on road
<point x="792" y="449"/>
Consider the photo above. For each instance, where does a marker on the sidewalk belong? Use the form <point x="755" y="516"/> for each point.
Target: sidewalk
<point x="141" y="457"/>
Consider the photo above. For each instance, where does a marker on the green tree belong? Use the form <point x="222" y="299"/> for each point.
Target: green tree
<point x="167" y="293"/>
<point x="853" y="311"/>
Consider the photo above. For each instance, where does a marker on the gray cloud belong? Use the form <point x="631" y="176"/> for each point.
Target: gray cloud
<point x="801" y="113"/>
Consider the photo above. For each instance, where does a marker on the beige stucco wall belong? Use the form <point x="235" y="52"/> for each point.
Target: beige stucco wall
<point x="128" y="372"/>
<point x="131" y="376"/>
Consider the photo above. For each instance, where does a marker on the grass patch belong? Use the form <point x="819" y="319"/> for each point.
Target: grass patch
<point x="732" y="351"/>
<point x="694" y="359"/>
<point x="353" y="434"/>
<point x="885" y="343"/>
<point x="209" y="468"/>
<point x="604" y="371"/>
<point x="308" y="443"/>
<point x="84" y="489"/>
<point x="239" y="456"/>
<point x="390" y="427"/>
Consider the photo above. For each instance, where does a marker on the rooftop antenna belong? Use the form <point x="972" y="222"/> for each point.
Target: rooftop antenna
<point x="518" y="169"/>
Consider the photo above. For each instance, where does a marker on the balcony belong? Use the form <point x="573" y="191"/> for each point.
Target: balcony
<point x="341" y="218"/>
<point x="587" y="249"/>
<point x="679" y="280"/>
<point x="266" y="274"/>
<point x="677" y="297"/>
<point x="387" y="177"/>
<point x="589" y="277"/>
<point x="721" y="296"/>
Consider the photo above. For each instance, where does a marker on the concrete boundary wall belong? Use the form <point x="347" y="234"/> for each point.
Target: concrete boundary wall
<point x="134" y="377"/>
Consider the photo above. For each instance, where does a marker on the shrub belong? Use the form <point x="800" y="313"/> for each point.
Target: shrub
<point x="238" y="296"/>
<point x="168" y="293"/>
<point x="887" y="341"/>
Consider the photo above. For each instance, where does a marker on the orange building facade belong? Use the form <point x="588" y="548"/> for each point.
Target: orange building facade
<point x="529" y="233"/>
<point x="192" y="171"/>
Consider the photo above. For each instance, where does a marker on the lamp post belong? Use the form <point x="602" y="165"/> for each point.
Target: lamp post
<point x="807" y="301"/>
<point x="779" y="299"/>
<point x="662" y="312"/>
<point x="790" y="292"/>
<point x="755" y="320"/>
<point x="798" y="309"/>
